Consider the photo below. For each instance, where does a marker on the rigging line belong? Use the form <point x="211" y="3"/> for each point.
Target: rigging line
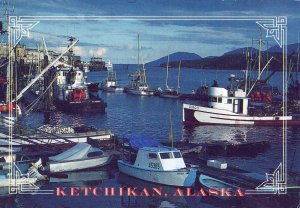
<point x="36" y="101"/>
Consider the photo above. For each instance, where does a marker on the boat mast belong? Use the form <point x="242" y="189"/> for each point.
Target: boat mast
<point x="297" y="58"/>
<point x="4" y="32"/>
<point x="178" y="77"/>
<point x="246" y="71"/>
<point x="167" y="77"/>
<point x="138" y="53"/>
<point x="171" y="138"/>
<point x="259" y="55"/>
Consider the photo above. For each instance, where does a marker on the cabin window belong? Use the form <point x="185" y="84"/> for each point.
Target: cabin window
<point x="152" y="156"/>
<point x="177" y="154"/>
<point x="165" y="155"/>
<point x="95" y="154"/>
<point x="219" y="100"/>
<point x="229" y="101"/>
<point x="213" y="99"/>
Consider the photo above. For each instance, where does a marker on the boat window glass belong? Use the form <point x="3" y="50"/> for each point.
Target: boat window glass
<point x="94" y="154"/>
<point x="177" y="154"/>
<point x="213" y="99"/>
<point x="152" y="155"/>
<point x="229" y="101"/>
<point x="165" y="155"/>
<point x="219" y="100"/>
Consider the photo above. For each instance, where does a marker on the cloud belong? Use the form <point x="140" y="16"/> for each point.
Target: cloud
<point x="98" y="52"/>
<point x="79" y="51"/>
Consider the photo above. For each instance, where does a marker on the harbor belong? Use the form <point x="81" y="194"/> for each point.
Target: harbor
<point x="125" y="120"/>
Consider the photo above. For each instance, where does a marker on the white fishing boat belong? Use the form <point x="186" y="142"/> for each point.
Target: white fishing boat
<point x="111" y="83"/>
<point x="230" y="106"/>
<point x="139" y="85"/>
<point x="163" y="165"/>
<point x="79" y="157"/>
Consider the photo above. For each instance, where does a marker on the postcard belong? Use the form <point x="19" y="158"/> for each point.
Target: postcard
<point x="149" y="103"/>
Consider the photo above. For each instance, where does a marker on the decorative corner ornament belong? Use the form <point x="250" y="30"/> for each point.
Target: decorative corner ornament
<point x="275" y="28"/>
<point x="19" y="27"/>
<point x="275" y="182"/>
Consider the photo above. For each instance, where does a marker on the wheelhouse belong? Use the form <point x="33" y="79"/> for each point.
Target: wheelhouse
<point x="159" y="158"/>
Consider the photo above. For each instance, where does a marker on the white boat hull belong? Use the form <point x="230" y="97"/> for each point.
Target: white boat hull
<point x="74" y="165"/>
<point x="197" y="115"/>
<point x="140" y="92"/>
<point x="112" y="89"/>
<point x="181" y="177"/>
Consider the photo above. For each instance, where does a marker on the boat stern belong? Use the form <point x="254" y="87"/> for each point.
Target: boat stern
<point x="191" y="178"/>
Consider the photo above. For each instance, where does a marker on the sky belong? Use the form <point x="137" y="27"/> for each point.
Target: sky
<point x="116" y="39"/>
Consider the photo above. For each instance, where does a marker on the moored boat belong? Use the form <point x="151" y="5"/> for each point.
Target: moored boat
<point x="138" y="84"/>
<point x="159" y="164"/>
<point x="79" y="157"/>
<point x="209" y="183"/>
<point x="71" y="93"/>
<point x="111" y="83"/>
<point x="170" y="92"/>
<point x="230" y="106"/>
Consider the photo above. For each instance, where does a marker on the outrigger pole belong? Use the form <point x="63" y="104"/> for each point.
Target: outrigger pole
<point x="43" y="72"/>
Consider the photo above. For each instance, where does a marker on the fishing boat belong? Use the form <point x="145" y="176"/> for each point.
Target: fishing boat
<point x="111" y="83"/>
<point x="170" y="92"/>
<point x="79" y="157"/>
<point x="71" y="93"/>
<point x="230" y="106"/>
<point x="157" y="164"/>
<point x="138" y="84"/>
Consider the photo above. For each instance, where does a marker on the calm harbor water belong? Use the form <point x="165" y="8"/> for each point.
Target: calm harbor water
<point x="127" y="114"/>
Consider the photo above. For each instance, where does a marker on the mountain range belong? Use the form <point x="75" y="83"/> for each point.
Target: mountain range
<point x="235" y="59"/>
<point x="174" y="57"/>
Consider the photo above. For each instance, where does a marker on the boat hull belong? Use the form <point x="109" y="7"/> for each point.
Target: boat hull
<point x="74" y="165"/>
<point x="163" y="95"/>
<point x="89" y="106"/>
<point x="112" y="89"/>
<point x="181" y="178"/>
<point x="208" y="183"/>
<point x="197" y="115"/>
<point x="140" y="92"/>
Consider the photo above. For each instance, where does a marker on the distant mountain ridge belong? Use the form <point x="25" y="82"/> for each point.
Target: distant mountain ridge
<point x="250" y="50"/>
<point x="235" y="59"/>
<point x="174" y="57"/>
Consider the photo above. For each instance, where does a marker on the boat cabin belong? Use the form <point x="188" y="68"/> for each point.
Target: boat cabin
<point x="234" y="101"/>
<point x="70" y="85"/>
<point x="159" y="158"/>
<point x="111" y="79"/>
